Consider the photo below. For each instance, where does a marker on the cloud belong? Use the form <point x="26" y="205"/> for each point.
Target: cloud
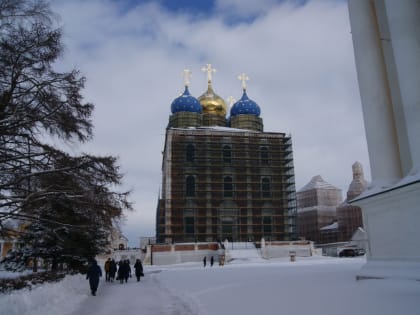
<point x="299" y="59"/>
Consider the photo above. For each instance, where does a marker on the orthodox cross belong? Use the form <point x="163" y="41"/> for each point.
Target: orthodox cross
<point x="186" y="74"/>
<point x="209" y="71"/>
<point x="243" y="77"/>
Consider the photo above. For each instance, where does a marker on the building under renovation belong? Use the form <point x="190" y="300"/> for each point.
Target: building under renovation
<point x="224" y="177"/>
<point x="317" y="202"/>
<point x="349" y="217"/>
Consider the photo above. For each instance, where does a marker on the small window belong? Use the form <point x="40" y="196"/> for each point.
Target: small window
<point x="266" y="187"/>
<point x="227" y="154"/>
<point x="267" y="229"/>
<point x="190" y="153"/>
<point x="190" y="186"/>
<point x="189" y="225"/>
<point x="227" y="187"/>
<point x="264" y="156"/>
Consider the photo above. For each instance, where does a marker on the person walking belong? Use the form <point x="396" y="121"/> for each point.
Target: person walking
<point x="204" y="261"/>
<point x="112" y="270"/>
<point x="211" y="261"/>
<point x="126" y="270"/>
<point x="106" y="268"/>
<point x="93" y="274"/>
<point x="120" y="273"/>
<point x="139" y="269"/>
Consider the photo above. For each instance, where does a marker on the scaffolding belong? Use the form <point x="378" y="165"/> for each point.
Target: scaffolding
<point x="219" y="184"/>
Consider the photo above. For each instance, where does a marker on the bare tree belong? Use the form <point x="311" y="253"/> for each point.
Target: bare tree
<point x="40" y="183"/>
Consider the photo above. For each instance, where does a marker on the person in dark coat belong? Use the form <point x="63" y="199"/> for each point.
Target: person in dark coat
<point x="204" y="261"/>
<point x="121" y="271"/>
<point x="139" y="269"/>
<point x="93" y="274"/>
<point x="106" y="268"/>
<point x="112" y="270"/>
<point x="211" y="261"/>
<point x="127" y="270"/>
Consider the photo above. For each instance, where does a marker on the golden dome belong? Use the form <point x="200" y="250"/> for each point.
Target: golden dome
<point x="212" y="103"/>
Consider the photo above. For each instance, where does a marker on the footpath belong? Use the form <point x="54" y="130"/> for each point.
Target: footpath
<point x="146" y="297"/>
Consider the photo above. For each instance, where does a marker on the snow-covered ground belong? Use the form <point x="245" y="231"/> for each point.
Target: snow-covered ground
<point x="314" y="286"/>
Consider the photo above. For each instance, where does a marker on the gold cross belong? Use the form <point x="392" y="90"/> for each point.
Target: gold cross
<point x="243" y="77"/>
<point x="209" y="71"/>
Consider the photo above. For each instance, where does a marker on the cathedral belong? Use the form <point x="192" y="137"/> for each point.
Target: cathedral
<point x="223" y="177"/>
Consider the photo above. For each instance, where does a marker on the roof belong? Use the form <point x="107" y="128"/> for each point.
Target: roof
<point x="317" y="182"/>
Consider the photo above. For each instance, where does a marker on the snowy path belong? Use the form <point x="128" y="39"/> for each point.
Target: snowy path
<point x="315" y="286"/>
<point x="147" y="297"/>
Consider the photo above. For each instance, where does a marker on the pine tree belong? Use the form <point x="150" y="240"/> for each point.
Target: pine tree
<point x="64" y="204"/>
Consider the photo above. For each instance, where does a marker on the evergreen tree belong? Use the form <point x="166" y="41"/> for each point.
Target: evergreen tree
<point x="64" y="203"/>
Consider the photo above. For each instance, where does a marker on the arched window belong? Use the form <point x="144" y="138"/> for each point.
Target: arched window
<point x="190" y="186"/>
<point x="266" y="187"/>
<point x="227" y="186"/>
<point x="190" y="153"/>
<point x="227" y="154"/>
<point x="264" y="156"/>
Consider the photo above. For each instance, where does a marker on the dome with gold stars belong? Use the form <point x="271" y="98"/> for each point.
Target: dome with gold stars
<point x="186" y="103"/>
<point x="245" y="106"/>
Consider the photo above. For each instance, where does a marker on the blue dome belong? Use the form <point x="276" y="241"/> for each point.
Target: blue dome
<point x="245" y="106"/>
<point x="186" y="103"/>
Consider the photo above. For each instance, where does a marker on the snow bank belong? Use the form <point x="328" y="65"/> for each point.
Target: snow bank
<point x="58" y="298"/>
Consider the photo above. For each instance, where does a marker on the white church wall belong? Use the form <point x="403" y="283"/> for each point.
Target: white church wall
<point x="392" y="220"/>
<point x="285" y="250"/>
<point x="178" y="257"/>
<point x="386" y="42"/>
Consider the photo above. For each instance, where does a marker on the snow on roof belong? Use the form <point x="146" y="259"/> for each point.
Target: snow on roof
<point x="333" y="226"/>
<point x="380" y="186"/>
<point x="320" y="209"/>
<point x="317" y="182"/>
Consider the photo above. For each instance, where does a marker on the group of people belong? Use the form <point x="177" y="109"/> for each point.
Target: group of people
<point x="123" y="272"/>
<point x="205" y="261"/>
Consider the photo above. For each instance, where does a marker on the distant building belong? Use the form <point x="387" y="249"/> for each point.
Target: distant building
<point x="144" y="241"/>
<point x="224" y="177"/>
<point x="117" y="240"/>
<point x="349" y="217"/>
<point x="8" y="242"/>
<point x="317" y="202"/>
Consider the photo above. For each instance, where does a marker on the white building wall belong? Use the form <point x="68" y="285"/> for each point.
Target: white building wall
<point x="178" y="257"/>
<point x="404" y="27"/>
<point x="386" y="39"/>
<point x="374" y="92"/>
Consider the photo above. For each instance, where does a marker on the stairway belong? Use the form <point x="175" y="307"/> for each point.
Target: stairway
<point x="242" y="251"/>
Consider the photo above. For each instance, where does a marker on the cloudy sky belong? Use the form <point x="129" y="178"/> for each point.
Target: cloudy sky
<point x="298" y="55"/>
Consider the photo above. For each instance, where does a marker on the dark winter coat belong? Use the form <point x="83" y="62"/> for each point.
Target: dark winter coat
<point x="124" y="270"/>
<point x="93" y="274"/>
<point x="112" y="269"/>
<point x="139" y="268"/>
<point x="107" y="265"/>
